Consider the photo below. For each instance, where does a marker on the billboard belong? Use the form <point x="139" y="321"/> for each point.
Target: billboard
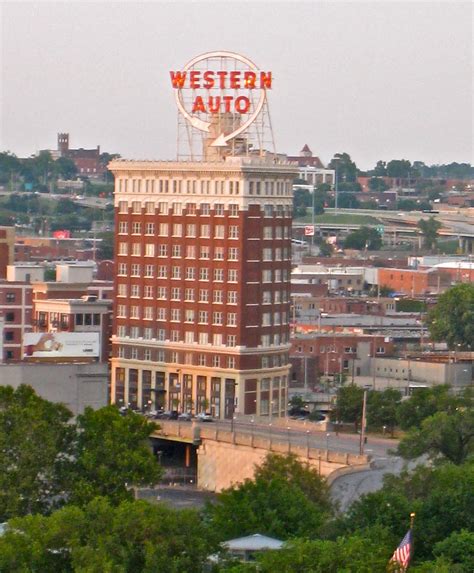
<point x="54" y="345"/>
<point x="309" y="231"/>
<point x="62" y="234"/>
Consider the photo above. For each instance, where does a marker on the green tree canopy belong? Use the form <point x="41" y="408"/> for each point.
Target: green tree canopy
<point x="377" y="184"/>
<point x="346" y="169"/>
<point x="382" y="408"/>
<point x="362" y="238"/>
<point x="429" y="228"/>
<point x="35" y="446"/>
<point x="398" y="168"/>
<point x="283" y="500"/>
<point x="349" y="405"/>
<point x="452" y="319"/>
<point x="133" y="537"/>
<point x="443" y="435"/>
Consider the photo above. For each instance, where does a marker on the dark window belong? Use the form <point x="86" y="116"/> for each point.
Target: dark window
<point x="88" y="319"/>
<point x="9" y="317"/>
<point x="10" y="297"/>
<point x="9" y="335"/>
<point x="79" y="319"/>
<point x="96" y="319"/>
<point x="9" y="354"/>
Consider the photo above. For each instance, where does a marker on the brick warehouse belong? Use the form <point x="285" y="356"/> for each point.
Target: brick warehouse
<point x="203" y="259"/>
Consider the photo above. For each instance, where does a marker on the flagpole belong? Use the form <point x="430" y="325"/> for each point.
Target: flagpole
<point x="412" y="519"/>
<point x="412" y="548"/>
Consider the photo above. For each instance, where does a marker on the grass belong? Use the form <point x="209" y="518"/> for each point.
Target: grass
<point x="343" y="219"/>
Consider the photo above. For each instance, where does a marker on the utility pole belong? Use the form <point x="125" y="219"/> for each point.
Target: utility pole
<point x="312" y="222"/>
<point x="335" y="188"/>
<point x="363" y="424"/>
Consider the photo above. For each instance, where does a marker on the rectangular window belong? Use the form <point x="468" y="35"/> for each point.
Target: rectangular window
<point x="175" y="293"/>
<point x="219" y="209"/>
<point x="134" y="311"/>
<point x="219" y="275"/>
<point x="203" y="316"/>
<point x="190" y="273"/>
<point x="149" y="250"/>
<point x="233" y="254"/>
<point x="148" y="333"/>
<point x="231" y="319"/>
<point x="191" y="230"/>
<point x="233" y="232"/>
<point x="123" y="249"/>
<point x="150" y="206"/>
<point x="149" y="271"/>
<point x="205" y="209"/>
<point x="218" y="253"/>
<point x="218" y="297"/>
<point x="217" y="318"/>
<point x="177" y="208"/>
<point x="163" y="250"/>
<point x="189" y="337"/>
<point x="149" y="228"/>
<point x="136" y="249"/>
<point x="161" y="314"/>
<point x="161" y="293"/>
<point x="232" y="297"/>
<point x="190" y="207"/>
<point x="219" y="231"/>
<point x="189" y="315"/>
<point x="203" y="295"/>
<point x="123" y="207"/>
<point x="122" y="269"/>
<point x="189" y="295"/>
<point x="177" y="230"/>
<point x="175" y="315"/>
<point x="135" y="270"/>
<point x="202" y="360"/>
<point x="175" y="335"/>
<point x="267" y="276"/>
<point x="163" y="207"/>
<point x="148" y="313"/>
<point x="233" y="210"/>
<point x="217" y="339"/>
<point x="123" y="228"/>
<point x="121" y="312"/>
<point x="232" y="275"/>
<point x="216" y="361"/>
<point x="175" y="272"/>
<point x="135" y="291"/>
<point x="203" y="338"/>
<point x="204" y="252"/>
<point x="190" y="251"/>
<point x="205" y="231"/>
<point x="162" y="272"/>
<point x="161" y="334"/>
<point x="136" y="228"/>
<point x="267" y="254"/>
<point x="176" y="251"/>
<point x="203" y="274"/>
<point x="268" y="210"/>
<point x="231" y="359"/>
<point x="163" y="230"/>
<point x="136" y="207"/>
<point x="121" y="289"/>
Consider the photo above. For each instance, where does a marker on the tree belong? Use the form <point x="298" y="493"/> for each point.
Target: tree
<point x="35" y="445"/>
<point x="65" y="206"/>
<point x="133" y="537"/>
<point x="346" y="169"/>
<point x="380" y="169"/>
<point x="349" y="405"/>
<point x="326" y="249"/>
<point x="382" y="409"/>
<point x="452" y="319"/>
<point x="112" y="454"/>
<point x="363" y="238"/>
<point x="398" y="168"/>
<point x="281" y="501"/>
<point x="441" y="436"/>
<point x="348" y="201"/>
<point x="377" y="184"/>
<point x="429" y="229"/>
<point x="65" y="168"/>
<point x="425" y="402"/>
<point x="458" y="548"/>
<point x="106" y="245"/>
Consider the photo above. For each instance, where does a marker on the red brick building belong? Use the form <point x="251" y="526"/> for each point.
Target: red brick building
<point x="16" y="309"/>
<point x="414" y="282"/>
<point x="87" y="161"/>
<point x="203" y="259"/>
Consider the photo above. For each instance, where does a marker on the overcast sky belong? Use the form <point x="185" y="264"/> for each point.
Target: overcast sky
<point x="380" y="80"/>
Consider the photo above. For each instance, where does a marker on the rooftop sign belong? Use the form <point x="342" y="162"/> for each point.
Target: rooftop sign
<point x="219" y="83"/>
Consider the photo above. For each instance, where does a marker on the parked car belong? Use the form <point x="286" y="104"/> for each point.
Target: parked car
<point x="185" y="417"/>
<point x="204" y="417"/>
<point x="169" y="415"/>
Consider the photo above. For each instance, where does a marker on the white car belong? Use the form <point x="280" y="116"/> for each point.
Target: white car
<point x="204" y="417"/>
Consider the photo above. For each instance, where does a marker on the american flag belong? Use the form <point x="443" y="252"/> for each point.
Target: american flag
<point x="402" y="553"/>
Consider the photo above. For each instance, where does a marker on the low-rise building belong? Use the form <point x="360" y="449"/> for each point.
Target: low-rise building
<point x="16" y="312"/>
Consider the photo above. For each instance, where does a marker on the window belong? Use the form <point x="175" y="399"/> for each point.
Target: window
<point x="175" y="315"/>
<point x="267" y="232"/>
<point x="123" y="249"/>
<point x="148" y="333"/>
<point x="267" y="254"/>
<point x="177" y="208"/>
<point x="268" y="210"/>
<point x="175" y="272"/>
<point x="163" y="207"/>
<point x="163" y="230"/>
<point x="149" y="271"/>
<point x="265" y="340"/>
<point x="233" y="254"/>
<point x="161" y="293"/>
<point x="177" y="230"/>
<point x="232" y="274"/>
<point x="135" y="291"/>
<point x="191" y="230"/>
<point x="162" y="272"/>
<point x="136" y="249"/>
<point x="189" y="315"/>
<point x="134" y="311"/>
<point x="231" y="340"/>
<point x="161" y="334"/>
<point x="204" y="252"/>
<point x="266" y="319"/>
<point x="121" y="331"/>
<point x="148" y="313"/>
<point x="190" y="251"/>
<point x="203" y="295"/>
<point x="267" y="276"/>
<point x="176" y="251"/>
<point x="267" y="297"/>
<point x="123" y="228"/>
<point x="217" y="339"/>
<point x="380" y="350"/>
<point x="232" y="297"/>
<point x="189" y="337"/>
<point x="217" y="318"/>
<point x="189" y="294"/>
<point x="122" y="269"/>
<point x="219" y="231"/>
<point x="202" y="360"/>
<point x="218" y="297"/>
<point x="190" y="273"/>
<point x="161" y="314"/>
<point x="175" y="336"/>
<point x="163" y="250"/>
<point x="121" y="289"/>
<point x="203" y="338"/>
<point x="136" y="228"/>
<point x="134" y="354"/>
<point x="121" y="312"/>
<point x="205" y="231"/>
<point x="233" y="232"/>
<point x="147" y="354"/>
<point x="231" y="319"/>
<point x="233" y="210"/>
<point x="219" y="209"/>
<point x="123" y="207"/>
<point x="204" y="274"/>
<point x="203" y="316"/>
<point x="175" y="293"/>
<point x="149" y="228"/>
<point x="135" y="270"/>
<point x="191" y="207"/>
<point x="219" y="253"/>
<point x="150" y="206"/>
<point x="149" y="250"/>
<point x="136" y="207"/>
<point x="219" y="275"/>
<point x="276" y="318"/>
<point x="216" y="361"/>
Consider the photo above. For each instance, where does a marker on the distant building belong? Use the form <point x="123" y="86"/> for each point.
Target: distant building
<point x="414" y="282"/>
<point x="7" y="245"/>
<point x="245" y="548"/>
<point x="311" y="168"/>
<point x="16" y="312"/>
<point x="87" y="161"/>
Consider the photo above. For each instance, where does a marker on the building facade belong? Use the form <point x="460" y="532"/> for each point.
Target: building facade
<point x="203" y="260"/>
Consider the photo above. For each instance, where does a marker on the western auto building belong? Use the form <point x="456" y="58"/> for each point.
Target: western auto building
<point x="202" y="289"/>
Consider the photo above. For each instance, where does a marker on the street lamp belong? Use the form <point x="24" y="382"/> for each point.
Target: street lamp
<point x="328" y="435"/>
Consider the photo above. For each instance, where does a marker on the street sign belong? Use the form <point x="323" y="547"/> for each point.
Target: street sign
<point x="309" y="231"/>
